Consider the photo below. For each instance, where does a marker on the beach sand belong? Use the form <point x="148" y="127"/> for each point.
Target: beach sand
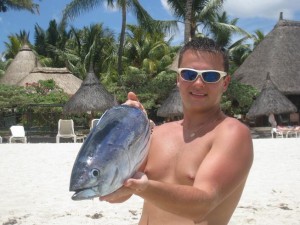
<point x="34" y="183"/>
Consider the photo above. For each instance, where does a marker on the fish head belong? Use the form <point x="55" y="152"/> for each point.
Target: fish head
<point x="112" y="152"/>
<point x="93" y="177"/>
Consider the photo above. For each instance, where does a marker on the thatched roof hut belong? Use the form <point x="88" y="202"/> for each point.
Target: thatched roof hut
<point x="20" y="67"/>
<point x="270" y="100"/>
<point x="91" y="96"/>
<point x="172" y="106"/>
<point x="62" y="77"/>
<point x="279" y="54"/>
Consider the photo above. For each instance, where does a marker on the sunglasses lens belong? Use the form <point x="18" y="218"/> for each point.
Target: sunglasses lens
<point x="211" y="76"/>
<point x="189" y="75"/>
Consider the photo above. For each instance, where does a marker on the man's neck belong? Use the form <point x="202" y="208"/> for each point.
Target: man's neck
<point x="193" y="120"/>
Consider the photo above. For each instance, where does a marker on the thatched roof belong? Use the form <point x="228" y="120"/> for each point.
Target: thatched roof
<point x="62" y="77"/>
<point x="270" y="100"/>
<point x="279" y="54"/>
<point x="172" y="106"/>
<point x="91" y="96"/>
<point x="22" y="64"/>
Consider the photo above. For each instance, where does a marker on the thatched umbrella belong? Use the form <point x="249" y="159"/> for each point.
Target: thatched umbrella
<point x="20" y="67"/>
<point x="279" y="54"/>
<point x="91" y="96"/>
<point x="62" y="77"/>
<point x="270" y="101"/>
<point x="172" y="106"/>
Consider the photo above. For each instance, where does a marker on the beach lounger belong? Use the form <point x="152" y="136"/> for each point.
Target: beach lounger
<point x="65" y="130"/>
<point x="17" y="134"/>
<point x="94" y="123"/>
<point x="276" y="132"/>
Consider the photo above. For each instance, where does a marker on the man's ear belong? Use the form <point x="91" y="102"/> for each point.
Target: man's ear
<point x="226" y="82"/>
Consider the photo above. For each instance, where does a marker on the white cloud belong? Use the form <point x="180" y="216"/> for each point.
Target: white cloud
<point x="166" y="6"/>
<point x="269" y="9"/>
<point x="178" y="36"/>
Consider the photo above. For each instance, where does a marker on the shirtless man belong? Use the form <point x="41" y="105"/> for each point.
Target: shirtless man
<point x="197" y="167"/>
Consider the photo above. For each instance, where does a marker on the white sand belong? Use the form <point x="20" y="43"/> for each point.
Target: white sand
<point x="34" y="182"/>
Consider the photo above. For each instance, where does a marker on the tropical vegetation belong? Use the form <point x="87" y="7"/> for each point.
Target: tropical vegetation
<point x="28" y="5"/>
<point x="138" y="60"/>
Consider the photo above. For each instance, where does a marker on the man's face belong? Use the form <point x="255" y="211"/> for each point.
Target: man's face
<point x="199" y="95"/>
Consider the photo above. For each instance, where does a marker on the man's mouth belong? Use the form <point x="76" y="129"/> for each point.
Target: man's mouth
<point x="198" y="94"/>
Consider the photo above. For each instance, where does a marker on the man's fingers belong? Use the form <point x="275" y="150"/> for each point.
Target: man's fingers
<point x="132" y="96"/>
<point x="138" y="182"/>
<point x="134" y="101"/>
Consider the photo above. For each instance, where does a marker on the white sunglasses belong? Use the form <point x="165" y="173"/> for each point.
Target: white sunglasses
<point x="208" y="76"/>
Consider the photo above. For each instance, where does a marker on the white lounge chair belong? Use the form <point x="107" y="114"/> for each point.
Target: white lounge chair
<point x="65" y="130"/>
<point x="94" y="123"/>
<point x="17" y="134"/>
<point x="0" y="139"/>
<point x="276" y="132"/>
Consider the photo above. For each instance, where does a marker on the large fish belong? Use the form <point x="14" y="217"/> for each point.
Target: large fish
<point x="112" y="152"/>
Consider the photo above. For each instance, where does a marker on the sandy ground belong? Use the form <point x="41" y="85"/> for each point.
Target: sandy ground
<point x="34" y="182"/>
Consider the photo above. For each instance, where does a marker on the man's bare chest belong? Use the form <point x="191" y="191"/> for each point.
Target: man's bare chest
<point x="176" y="162"/>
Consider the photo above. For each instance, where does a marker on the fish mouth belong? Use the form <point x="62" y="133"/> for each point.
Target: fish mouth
<point x="86" y="193"/>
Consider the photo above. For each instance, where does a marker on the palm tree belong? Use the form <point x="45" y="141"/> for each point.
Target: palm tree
<point x="16" y="41"/>
<point x="97" y="47"/>
<point x="76" y="7"/>
<point x="238" y="53"/>
<point x="19" y="5"/>
<point x="91" y="45"/>
<point x="187" y="20"/>
<point x="257" y="37"/>
<point x="201" y="12"/>
<point x="240" y="50"/>
<point x="147" y="51"/>
<point x="221" y="29"/>
<point x="50" y="40"/>
<point x="40" y="41"/>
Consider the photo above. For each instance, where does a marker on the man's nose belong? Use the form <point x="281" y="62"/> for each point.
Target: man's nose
<point x="199" y="81"/>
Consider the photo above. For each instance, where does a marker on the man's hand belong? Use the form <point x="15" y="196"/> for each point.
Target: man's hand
<point x="137" y="183"/>
<point x="133" y="100"/>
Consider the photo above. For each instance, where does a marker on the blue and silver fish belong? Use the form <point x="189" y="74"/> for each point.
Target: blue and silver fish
<point x="112" y="152"/>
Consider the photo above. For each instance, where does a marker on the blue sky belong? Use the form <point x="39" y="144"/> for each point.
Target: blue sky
<point x="252" y="14"/>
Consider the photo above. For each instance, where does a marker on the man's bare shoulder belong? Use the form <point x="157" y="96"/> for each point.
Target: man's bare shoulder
<point x="235" y="139"/>
<point x="232" y="126"/>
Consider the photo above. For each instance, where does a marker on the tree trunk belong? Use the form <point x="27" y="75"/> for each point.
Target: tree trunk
<point x="122" y="39"/>
<point x="187" y="20"/>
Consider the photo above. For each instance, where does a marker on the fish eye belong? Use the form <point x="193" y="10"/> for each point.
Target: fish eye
<point x="95" y="172"/>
